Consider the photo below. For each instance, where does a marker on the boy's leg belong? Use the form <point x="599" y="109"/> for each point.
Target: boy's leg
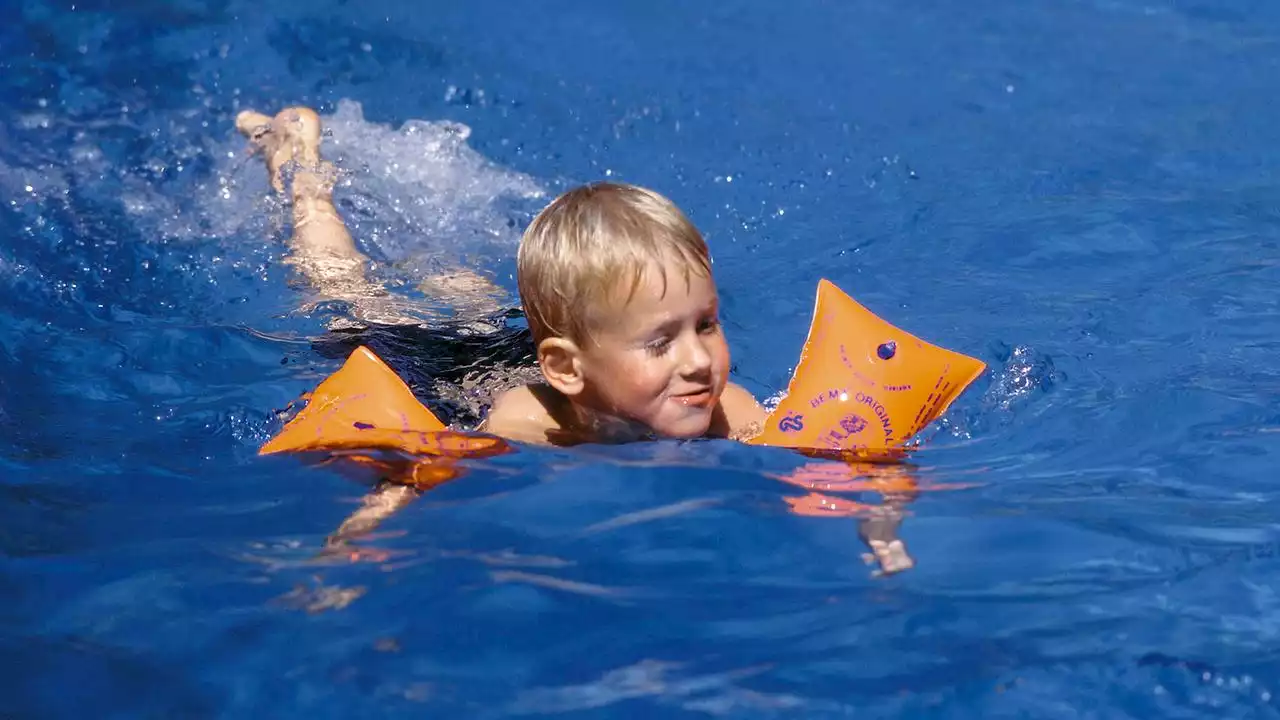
<point x="321" y="247"/>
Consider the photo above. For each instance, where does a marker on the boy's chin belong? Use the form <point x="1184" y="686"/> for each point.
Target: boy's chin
<point x="685" y="428"/>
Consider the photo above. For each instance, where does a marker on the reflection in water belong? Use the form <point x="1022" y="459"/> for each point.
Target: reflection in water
<point x="401" y="477"/>
<point x="837" y="485"/>
<point x="548" y="581"/>
<point x="670" y="683"/>
<point x="321" y="598"/>
<point x="885" y="473"/>
<point x="831" y="479"/>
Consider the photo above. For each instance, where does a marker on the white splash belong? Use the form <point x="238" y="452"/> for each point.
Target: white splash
<point x="421" y="190"/>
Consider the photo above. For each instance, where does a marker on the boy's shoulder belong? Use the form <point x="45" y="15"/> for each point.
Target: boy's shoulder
<point x="531" y="413"/>
<point x="743" y="415"/>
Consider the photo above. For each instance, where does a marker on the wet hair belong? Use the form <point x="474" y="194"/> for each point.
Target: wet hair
<point x="590" y="248"/>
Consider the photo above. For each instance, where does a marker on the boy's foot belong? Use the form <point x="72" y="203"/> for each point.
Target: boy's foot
<point x="293" y="134"/>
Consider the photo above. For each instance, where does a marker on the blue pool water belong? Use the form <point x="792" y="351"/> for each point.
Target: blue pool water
<point x="1081" y="193"/>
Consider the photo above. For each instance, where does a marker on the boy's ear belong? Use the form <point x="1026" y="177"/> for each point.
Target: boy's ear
<point x="561" y="363"/>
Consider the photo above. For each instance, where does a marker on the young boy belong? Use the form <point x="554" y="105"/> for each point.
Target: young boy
<point x="618" y="292"/>
<point x="617" y="288"/>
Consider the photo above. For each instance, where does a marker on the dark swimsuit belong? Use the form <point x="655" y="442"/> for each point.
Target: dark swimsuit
<point x="446" y="351"/>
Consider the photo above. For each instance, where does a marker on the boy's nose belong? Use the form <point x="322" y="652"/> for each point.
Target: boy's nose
<point x="697" y="358"/>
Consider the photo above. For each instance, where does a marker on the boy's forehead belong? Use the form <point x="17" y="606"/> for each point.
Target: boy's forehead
<point x="666" y="283"/>
<point x="659" y="292"/>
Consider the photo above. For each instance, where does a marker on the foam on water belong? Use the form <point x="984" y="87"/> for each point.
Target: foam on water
<point x="419" y="193"/>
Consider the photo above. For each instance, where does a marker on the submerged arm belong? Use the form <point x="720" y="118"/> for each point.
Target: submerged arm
<point x="382" y="503"/>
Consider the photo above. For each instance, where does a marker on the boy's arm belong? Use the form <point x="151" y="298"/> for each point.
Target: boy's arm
<point x="744" y="414"/>
<point x="377" y="506"/>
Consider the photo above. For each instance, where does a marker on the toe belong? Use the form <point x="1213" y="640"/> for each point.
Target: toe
<point x="303" y="123"/>
<point x="250" y="123"/>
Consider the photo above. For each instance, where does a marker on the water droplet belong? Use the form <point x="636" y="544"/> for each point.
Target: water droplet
<point x="887" y="350"/>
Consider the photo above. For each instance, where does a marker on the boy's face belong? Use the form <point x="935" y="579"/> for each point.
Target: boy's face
<point x="661" y="359"/>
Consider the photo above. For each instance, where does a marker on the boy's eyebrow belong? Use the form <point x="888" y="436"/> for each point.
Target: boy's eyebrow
<point x="669" y="322"/>
<point x="666" y="326"/>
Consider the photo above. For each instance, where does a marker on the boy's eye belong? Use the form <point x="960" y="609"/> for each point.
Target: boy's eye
<point x="658" y="345"/>
<point x="709" y="325"/>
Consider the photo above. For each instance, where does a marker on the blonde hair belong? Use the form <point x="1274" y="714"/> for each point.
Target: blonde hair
<point x="590" y="243"/>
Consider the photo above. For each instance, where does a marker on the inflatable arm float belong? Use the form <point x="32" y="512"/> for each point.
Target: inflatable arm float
<point x="365" y="411"/>
<point x="862" y="386"/>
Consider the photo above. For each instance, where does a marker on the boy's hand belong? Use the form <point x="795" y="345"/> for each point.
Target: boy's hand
<point x="892" y="557"/>
<point x="880" y="532"/>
